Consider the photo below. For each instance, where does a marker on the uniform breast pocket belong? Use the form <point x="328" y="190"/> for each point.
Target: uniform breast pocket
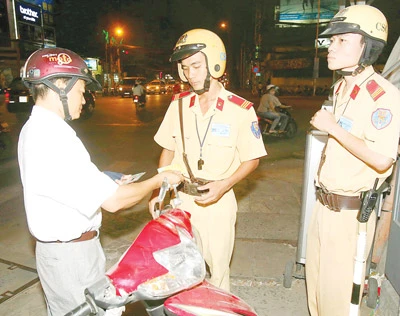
<point x="176" y="136"/>
<point x="221" y="153"/>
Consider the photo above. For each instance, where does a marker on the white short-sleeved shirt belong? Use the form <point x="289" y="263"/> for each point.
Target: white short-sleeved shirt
<point x="63" y="189"/>
<point x="229" y="132"/>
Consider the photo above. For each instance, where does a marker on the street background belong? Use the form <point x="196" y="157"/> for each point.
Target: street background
<point x="119" y="139"/>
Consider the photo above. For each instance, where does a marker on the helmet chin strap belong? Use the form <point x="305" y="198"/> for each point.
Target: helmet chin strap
<point x="360" y="67"/>
<point x="206" y="86"/>
<point x="353" y="73"/>
<point x="64" y="100"/>
<point x="63" y="94"/>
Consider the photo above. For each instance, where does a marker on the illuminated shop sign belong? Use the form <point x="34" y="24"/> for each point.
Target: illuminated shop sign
<point x="28" y="13"/>
<point x="297" y="12"/>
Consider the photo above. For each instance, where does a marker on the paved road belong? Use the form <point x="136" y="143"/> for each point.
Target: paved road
<point x="118" y="139"/>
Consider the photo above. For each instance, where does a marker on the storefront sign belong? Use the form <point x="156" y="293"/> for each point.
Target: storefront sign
<point x="27" y="13"/>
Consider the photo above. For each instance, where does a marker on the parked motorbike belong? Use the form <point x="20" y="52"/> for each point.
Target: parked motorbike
<point x="6" y="145"/>
<point x="291" y="127"/>
<point x="164" y="269"/>
<point x="139" y="102"/>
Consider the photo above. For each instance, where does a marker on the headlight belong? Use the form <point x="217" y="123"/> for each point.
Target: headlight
<point x="185" y="266"/>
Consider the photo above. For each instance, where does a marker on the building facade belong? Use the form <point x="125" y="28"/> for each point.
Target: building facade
<point x="25" y="26"/>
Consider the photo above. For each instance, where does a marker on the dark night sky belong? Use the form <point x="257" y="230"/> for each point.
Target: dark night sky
<point x="157" y="24"/>
<point x="149" y="23"/>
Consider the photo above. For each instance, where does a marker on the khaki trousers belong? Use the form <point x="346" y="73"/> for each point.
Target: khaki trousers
<point x="215" y="224"/>
<point x="331" y="248"/>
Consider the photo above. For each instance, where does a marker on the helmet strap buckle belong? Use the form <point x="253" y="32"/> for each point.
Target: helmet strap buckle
<point x="64" y="100"/>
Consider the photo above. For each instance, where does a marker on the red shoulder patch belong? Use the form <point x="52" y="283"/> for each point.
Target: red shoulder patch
<point x="375" y="90"/>
<point x="240" y="101"/>
<point x="181" y="95"/>
<point x="355" y="91"/>
<point x="220" y="104"/>
<point x="338" y="88"/>
<point x="192" y="100"/>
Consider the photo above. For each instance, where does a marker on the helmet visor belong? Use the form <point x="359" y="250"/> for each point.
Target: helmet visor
<point x="341" y="28"/>
<point x="184" y="51"/>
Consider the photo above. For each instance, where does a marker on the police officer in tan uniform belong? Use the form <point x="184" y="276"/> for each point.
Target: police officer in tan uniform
<point x="362" y="147"/>
<point x="222" y="142"/>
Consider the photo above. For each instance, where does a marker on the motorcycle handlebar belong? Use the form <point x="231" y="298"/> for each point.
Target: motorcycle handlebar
<point x="82" y="310"/>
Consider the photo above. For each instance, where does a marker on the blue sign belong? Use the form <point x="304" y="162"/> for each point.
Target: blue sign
<point x="307" y="11"/>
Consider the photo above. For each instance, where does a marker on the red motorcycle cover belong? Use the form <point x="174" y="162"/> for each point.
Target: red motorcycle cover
<point x="138" y="265"/>
<point x="206" y="298"/>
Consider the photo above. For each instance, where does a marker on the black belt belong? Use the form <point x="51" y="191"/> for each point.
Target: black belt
<point x="191" y="188"/>
<point x="337" y="202"/>
<point x="84" y="237"/>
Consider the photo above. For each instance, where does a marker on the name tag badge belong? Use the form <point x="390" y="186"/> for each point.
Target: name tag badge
<point x="222" y="130"/>
<point x="346" y="123"/>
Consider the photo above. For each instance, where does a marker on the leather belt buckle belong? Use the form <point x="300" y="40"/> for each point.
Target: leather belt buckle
<point x="191" y="188"/>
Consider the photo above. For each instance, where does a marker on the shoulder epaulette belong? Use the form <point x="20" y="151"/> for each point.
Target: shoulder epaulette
<point x="243" y="103"/>
<point x="181" y="95"/>
<point x="375" y="90"/>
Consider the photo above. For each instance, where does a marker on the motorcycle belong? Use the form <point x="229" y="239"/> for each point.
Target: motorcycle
<point x="291" y="127"/>
<point x="6" y="144"/>
<point x="163" y="269"/>
<point x="139" y="102"/>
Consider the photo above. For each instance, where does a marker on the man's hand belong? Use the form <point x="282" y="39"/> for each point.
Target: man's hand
<point x="216" y="189"/>
<point x="173" y="177"/>
<point x="324" y="120"/>
<point x="152" y="203"/>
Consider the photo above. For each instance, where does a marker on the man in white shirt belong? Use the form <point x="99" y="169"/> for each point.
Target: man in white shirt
<point x="63" y="189"/>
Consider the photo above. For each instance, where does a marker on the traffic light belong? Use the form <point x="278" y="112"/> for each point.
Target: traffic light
<point x="124" y="51"/>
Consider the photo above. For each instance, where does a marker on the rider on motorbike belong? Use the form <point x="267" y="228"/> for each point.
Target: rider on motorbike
<point x="138" y="90"/>
<point x="267" y="109"/>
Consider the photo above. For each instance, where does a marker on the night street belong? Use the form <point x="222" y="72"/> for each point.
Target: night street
<point x="119" y="139"/>
<point x="125" y="61"/>
<point x="116" y="132"/>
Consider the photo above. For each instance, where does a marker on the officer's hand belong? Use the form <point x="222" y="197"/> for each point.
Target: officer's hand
<point x="216" y="189"/>
<point x="323" y="120"/>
